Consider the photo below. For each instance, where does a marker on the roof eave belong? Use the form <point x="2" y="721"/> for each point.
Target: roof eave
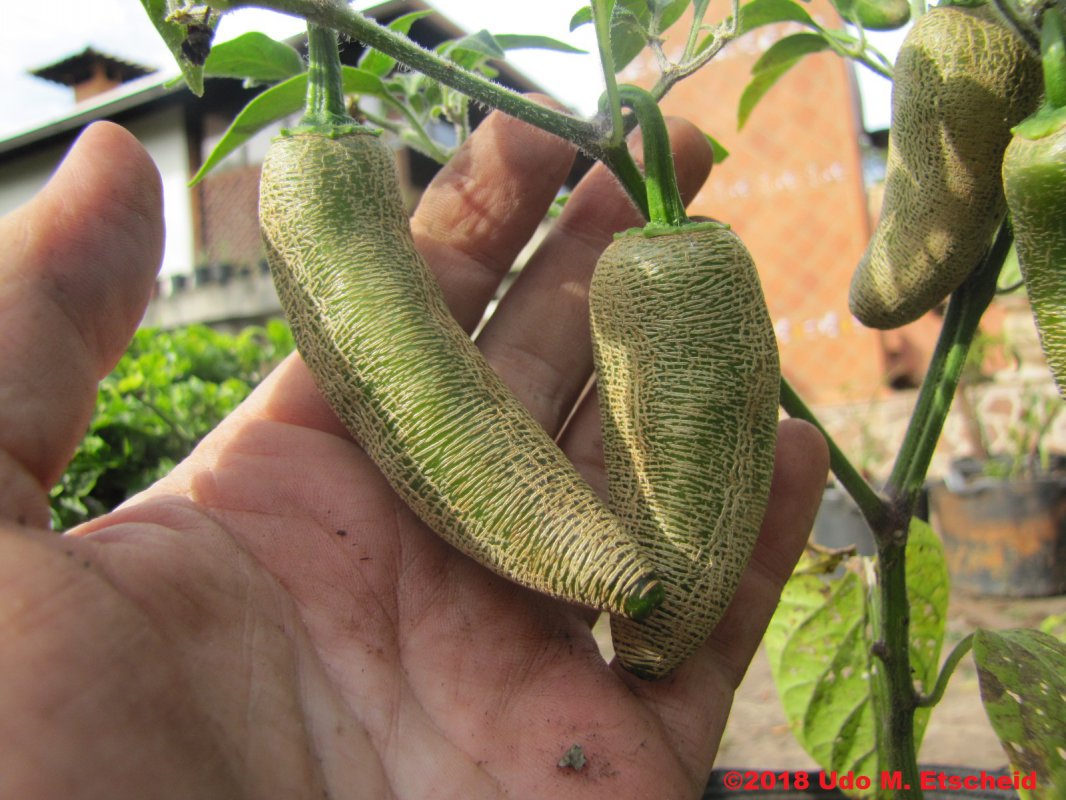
<point x="111" y="103"/>
<point x="163" y="83"/>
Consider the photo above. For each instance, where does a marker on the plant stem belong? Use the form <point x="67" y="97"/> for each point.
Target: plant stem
<point x="879" y="65"/>
<point x="414" y="137"/>
<point x="620" y="161"/>
<point x="723" y="35"/>
<point x="872" y="506"/>
<point x="895" y="697"/>
<point x="325" y="107"/>
<point x="665" y="206"/>
<point x="964" y="312"/>
<point x="337" y="15"/>
<point x="952" y="661"/>
<point x="418" y="138"/>
<point x="699" y="10"/>
<point x="602" y="11"/>
<point x="1053" y="52"/>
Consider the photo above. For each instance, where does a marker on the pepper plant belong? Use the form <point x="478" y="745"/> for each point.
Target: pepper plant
<point x="857" y="658"/>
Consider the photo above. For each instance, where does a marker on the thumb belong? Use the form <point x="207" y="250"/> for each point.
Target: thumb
<point x="77" y="264"/>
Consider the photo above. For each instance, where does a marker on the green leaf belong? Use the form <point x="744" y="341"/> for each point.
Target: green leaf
<point x="774" y="63"/>
<point x="482" y="42"/>
<point x="928" y="585"/>
<point x="844" y="8"/>
<point x="268" y="107"/>
<point x="718" y="149"/>
<point x="668" y="11"/>
<point x="255" y="57"/>
<point x="789" y="50"/>
<point x="756" y="89"/>
<point x="1055" y="625"/>
<point x="277" y="103"/>
<point x="819" y="648"/>
<point x="1022" y="674"/>
<point x="471" y="51"/>
<point x="629" y="31"/>
<point x="358" y="81"/>
<point x="519" y="41"/>
<point x="174" y="35"/>
<point x="819" y="659"/>
<point x="557" y="205"/>
<point x="582" y="17"/>
<point x="767" y="12"/>
<point x="875" y="15"/>
<point x="376" y="62"/>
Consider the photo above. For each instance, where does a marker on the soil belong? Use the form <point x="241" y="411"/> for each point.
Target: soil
<point x="959" y="734"/>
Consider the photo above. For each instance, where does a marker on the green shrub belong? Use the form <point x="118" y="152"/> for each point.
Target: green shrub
<point x="168" y="390"/>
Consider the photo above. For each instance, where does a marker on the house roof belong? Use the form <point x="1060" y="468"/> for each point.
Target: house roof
<point x="123" y="97"/>
<point x="153" y="86"/>
<point x="78" y="68"/>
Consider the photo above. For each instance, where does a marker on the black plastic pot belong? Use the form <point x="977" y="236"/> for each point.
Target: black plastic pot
<point x="725" y="785"/>
<point x="839" y="523"/>
<point x="1002" y="538"/>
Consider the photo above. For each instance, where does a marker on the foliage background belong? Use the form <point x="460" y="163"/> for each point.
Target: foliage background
<point x="166" y="393"/>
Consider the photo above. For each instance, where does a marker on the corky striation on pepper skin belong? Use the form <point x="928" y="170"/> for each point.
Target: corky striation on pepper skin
<point x="688" y="379"/>
<point x="961" y="80"/>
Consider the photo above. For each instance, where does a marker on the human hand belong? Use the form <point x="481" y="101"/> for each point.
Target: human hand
<point x="270" y="620"/>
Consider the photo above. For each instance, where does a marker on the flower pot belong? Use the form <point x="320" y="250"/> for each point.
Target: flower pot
<point x="1002" y="537"/>
<point x="839" y="523"/>
<point x="733" y="784"/>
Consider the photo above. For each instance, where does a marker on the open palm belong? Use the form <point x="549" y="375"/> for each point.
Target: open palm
<point x="270" y="620"/>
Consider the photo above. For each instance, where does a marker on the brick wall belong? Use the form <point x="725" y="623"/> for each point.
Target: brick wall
<point x="228" y="203"/>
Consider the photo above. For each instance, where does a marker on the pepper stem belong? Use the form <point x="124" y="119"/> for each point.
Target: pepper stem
<point x="1053" y="50"/>
<point x="665" y="207"/>
<point x="325" y="109"/>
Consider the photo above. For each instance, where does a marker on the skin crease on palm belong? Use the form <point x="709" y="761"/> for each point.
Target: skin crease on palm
<point x="269" y="620"/>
